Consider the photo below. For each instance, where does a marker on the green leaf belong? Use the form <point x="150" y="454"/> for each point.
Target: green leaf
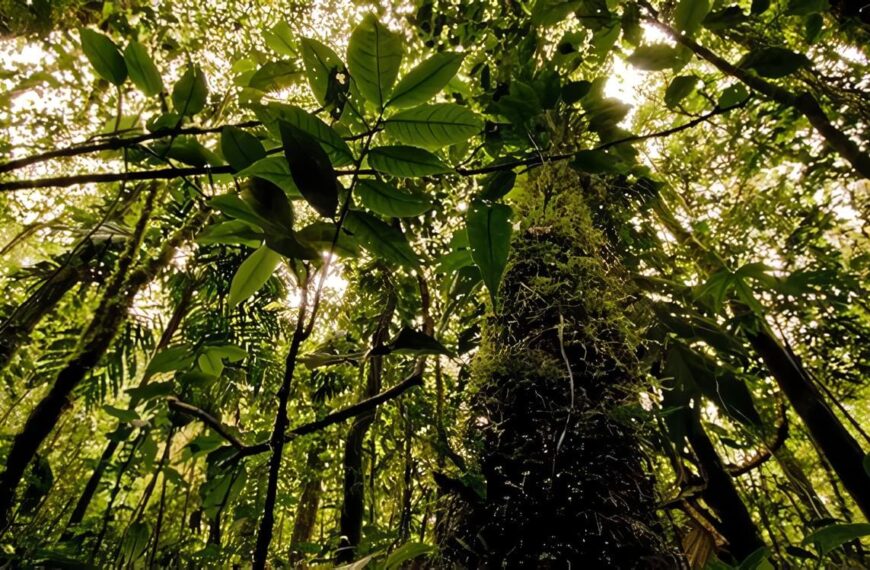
<point x="830" y="537"/>
<point x="311" y="169"/>
<point x="274" y="75"/>
<point x="406" y="161"/>
<point x="374" y="55"/>
<point x="234" y="207"/>
<point x="689" y="15"/>
<point x="135" y="542"/>
<point x="382" y="240"/>
<point x="757" y="560"/>
<point x="410" y="341"/>
<point x="759" y="7"/>
<point x="169" y="359"/>
<point x="187" y="149"/>
<point x="338" y="151"/>
<point x="573" y="91"/>
<point x="436" y="125"/>
<point x="489" y="235"/>
<point x="551" y="12"/>
<point x="655" y="57"/>
<point x="807" y="7"/>
<point x="210" y="362"/>
<point x="679" y="88"/>
<point x="240" y="148"/>
<point x="279" y="38"/>
<point x="598" y="162"/>
<point x="716" y="288"/>
<point x="287" y="245"/>
<point x="270" y="204"/>
<point x="252" y="274"/>
<point x="276" y="170"/>
<point x="426" y="80"/>
<point x="320" y="235"/>
<point x="190" y="93"/>
<point x="150" y="391"/>
<point x="774" y="62"/>
<point x="813" y="28"/>
<point x="406" y="552"/>
<point x="143" y="73"/>
<point x="104" y="56"/>
<point x="498" y="184"/>
<point x="389" y="201"/>
<point x="732" y="95"/>
<point x="320" y="64"/>
<point x="125" y="416"/>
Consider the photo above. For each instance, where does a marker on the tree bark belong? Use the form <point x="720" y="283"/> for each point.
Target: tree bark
<point x="309" y="502"/>
<point x="565" y="483"/>
<point x="353" y="505"/>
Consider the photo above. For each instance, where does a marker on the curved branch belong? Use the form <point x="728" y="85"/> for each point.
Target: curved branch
<point x="761" y="456"/>
<point x="208" y="419"/>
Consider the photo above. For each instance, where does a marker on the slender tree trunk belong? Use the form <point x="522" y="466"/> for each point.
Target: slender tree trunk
<point x="721" y="494"/>
<point x="108" y="318"/>
<point x="407" y="482"/>
<point x="309" y="502"/>
<point x="353" y="506"/>
<point x="117" y="435"/>
<point x="840" y="448"/>
<point x="566" y="484"/>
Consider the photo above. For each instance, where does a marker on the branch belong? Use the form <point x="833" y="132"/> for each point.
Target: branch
<point x="168" y="173"/>
<point x="738" y="469"/>
<point x="114" y="143"/>
<point x="209" y="420"/>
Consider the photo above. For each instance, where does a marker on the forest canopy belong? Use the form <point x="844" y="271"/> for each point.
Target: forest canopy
<point x="435" y="284"/>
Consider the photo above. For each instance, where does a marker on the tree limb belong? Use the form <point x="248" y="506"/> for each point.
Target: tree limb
<point x="209" y="420"/>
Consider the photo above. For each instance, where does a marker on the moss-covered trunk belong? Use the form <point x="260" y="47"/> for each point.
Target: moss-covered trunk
<point x="551" y="428"/>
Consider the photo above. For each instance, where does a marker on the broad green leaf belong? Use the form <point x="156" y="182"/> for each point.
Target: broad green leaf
<point x="104" y="56"/>
<point x="830" y="537"/>
<point x="406" y="161"/>
<point x="807" y="7"/>
<point x="598" y="162"/>
<point x="143" y="73"/>
<point x="240" y="148"/>
<point x="210" y="362"/>
<point x="489" y="235"/>
<point x="169" y="359"/>
<point x="276" y="170"/>
<point x="121" y="414"/>
<point x="406" y="552"/>
<point x="287" y="245"/>
<point x="759" y="6"/>
<point x="426" y="80"/>
<point x="655" y="57"/>
<point x="233" y="206"/>
<point x="498" y="184"/>
<point x="374" y="55"/>
<point x="732" y="95"/>
<point x="187" y="149"/>
<point x="271" y="204"/>
<point x="435" y="126"/>
<point x="757" y="560"/>
<point x="320" y="236"/>
<point x="135" y="542"/>
<point x="320" y="63"/>
<point x="573" y="91"/>
<point x="150" y="391"/>
<point x="190" y="93"/>
<point x="774" y="62"/>
<point x="252" y="274"/>
<point x="551" y="12"/>
<point x="689" y="14"/>
<point x="679" y="88"/>
<point x="274" y="75"/>
<point x="338" y="151"/>
<point x="381" y="239"/>
<point x="279" y="38"/>
<point x="311" y="169"/>
<point x="387" y="200"/>
<point x="410" y="341"/>
<point x="716" y="288"/>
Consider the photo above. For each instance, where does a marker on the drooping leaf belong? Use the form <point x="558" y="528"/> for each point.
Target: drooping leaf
<point x="135" y="542"/>
<point x="830" y="537"/>
<point x="143" y="73"/>
<point x="252" y="274"/>
<point x="410" y="341"/>
<point x="498" y="184"/>
<point x="489" y="235"/>
<point x="276" y="170"/>
<point x="435" y="125"/>
<point x="240" y="148"/>
<point x="233" y="206"/>
<point x="774" y="62"/>
<point x="121" y="414"/>
<point x="104" y="56"/>
<point x="311" y="169"/>
<point x="550" y="12"/>
<point x="279" y="38"/>
<point x="320" y="63"/>
<point x="655" y="57"/>
<point x="320" y="235"/>
<point x="169" y="359"/>
<point x="330" y="140"/>
<point x="406" y="161"/>
<point x="598" y="162"/>
<point x="387" y="200"/>
<point x="426" y="80"/>
<point x="381" y="239"/>
<point x="374" y="55"/>
<point x="679" y="88"/>
<point x="274" y="75"/>
<point x="406" y="552"/>
<point x="270" y="203"/>
<point x="190" y="93"/>
<point x="732" y="95"/>
<point x="689" y="14"/>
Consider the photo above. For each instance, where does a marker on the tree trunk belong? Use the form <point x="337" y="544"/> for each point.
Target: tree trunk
<point x="721" y="494"/>
<point x="565" y="483"/>
<point x="107" y="320"/>
<point x="353" y="506"/>
<point x="309" y="502"/>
